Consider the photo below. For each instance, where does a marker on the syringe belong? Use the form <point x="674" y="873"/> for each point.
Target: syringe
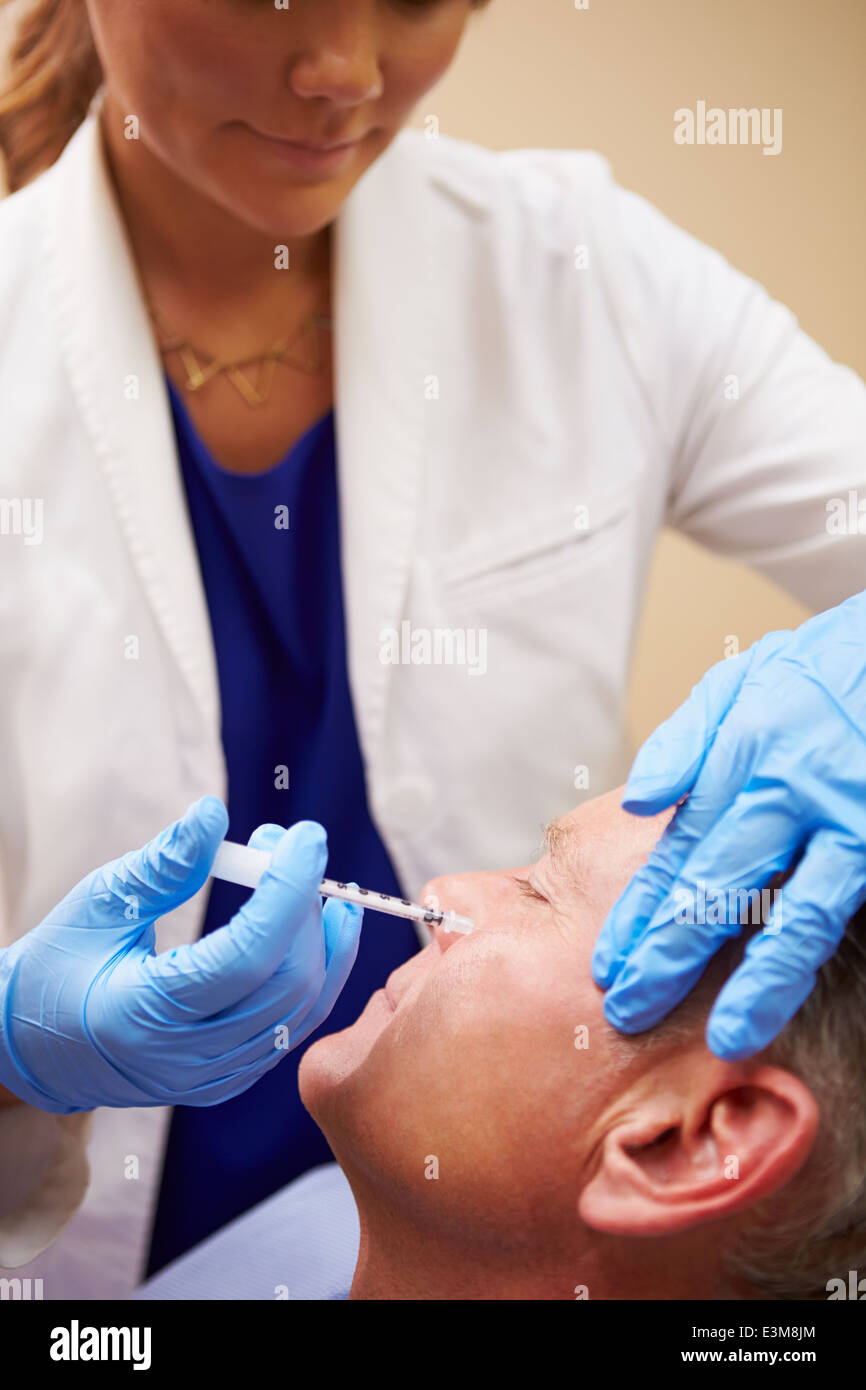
<point x="239" y="864"/>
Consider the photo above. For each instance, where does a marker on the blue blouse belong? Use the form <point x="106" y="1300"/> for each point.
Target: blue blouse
<point x="276" y="612"/>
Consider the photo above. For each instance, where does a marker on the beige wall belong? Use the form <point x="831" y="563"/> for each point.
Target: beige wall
<point x="543" y="73"/>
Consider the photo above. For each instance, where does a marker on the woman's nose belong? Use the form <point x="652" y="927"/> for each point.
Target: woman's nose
<point x="342" y="65"/>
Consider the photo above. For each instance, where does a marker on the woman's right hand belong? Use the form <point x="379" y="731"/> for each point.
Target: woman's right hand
<point x="90" y="1015"/>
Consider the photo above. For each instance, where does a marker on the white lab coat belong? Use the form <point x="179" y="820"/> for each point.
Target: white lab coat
<point x="534" y="370"/>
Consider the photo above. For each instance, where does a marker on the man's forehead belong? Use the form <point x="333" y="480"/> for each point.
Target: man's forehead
<point x="600" y="826"/>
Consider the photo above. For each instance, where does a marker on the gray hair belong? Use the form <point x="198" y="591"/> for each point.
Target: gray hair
<point x="814" y="1230"/>
<point x="790" y="1245"/>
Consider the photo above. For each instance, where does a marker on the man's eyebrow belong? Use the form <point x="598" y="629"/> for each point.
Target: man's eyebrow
<point x="559" y="841"/>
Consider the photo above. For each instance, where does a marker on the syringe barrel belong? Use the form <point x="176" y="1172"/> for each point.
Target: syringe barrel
<point x="240" y="864"/>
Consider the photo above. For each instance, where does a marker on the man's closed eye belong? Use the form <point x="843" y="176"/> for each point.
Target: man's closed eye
<point x="529" y="890"/>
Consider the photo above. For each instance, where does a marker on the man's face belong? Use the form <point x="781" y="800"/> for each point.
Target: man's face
<point x="470" y="1063"/>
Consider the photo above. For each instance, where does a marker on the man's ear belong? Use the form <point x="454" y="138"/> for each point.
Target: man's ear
<point x="706" y="1144"/>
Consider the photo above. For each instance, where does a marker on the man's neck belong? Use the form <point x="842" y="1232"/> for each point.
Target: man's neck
<point x="400" y="1262"/>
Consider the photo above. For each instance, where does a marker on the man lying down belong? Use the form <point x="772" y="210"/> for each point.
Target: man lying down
<point x="498" y="1139"/>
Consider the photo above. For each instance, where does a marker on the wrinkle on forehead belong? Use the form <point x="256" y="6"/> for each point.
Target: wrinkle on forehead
<point x="591" y="851"/>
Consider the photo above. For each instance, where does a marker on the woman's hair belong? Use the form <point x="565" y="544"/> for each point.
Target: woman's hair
<point x="52" y="76"/>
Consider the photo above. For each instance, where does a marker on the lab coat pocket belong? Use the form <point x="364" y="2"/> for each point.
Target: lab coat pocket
<point x="545" y="548"/>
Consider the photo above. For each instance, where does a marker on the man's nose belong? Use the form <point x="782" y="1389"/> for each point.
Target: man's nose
<point x="444" y="894"/>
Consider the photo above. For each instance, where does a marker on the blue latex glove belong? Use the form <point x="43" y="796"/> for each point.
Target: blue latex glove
<point x="90" y="1015"/>
<point x="771" y="749"/>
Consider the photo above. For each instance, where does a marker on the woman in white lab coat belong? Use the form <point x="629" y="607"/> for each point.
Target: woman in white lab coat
<point x="509" y="372"/>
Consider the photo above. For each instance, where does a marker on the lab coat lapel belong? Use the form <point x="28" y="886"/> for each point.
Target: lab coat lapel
<point x="383" y="350"/>
<point x="385" y="307"/>
<point x="116" y="375"/>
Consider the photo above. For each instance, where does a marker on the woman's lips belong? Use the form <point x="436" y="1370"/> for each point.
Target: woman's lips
<point x="306" y="158"/>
